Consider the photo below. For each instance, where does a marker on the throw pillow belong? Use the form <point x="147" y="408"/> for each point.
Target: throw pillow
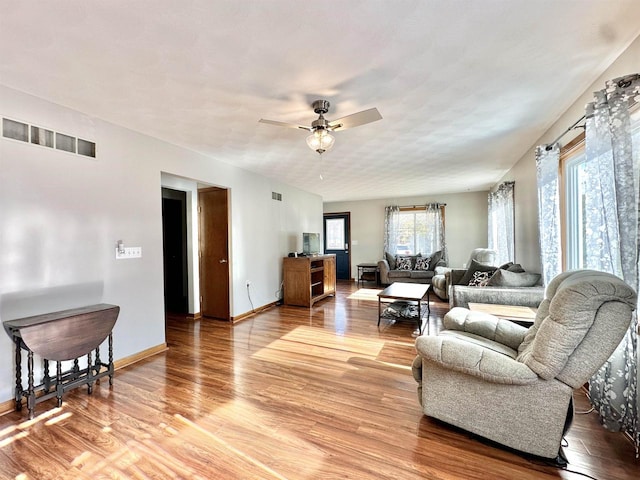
<point x="480" y="279"/>
<point x="391" y="260"/>
<point x="422" y="263"/>
<point x="475" y="267"/>
<point x="435" y="259"/>
<point x="404" y="263"/>
<point x="506" y="278"/>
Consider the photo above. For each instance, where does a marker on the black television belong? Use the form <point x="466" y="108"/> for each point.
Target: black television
<point x="311" y="243"/>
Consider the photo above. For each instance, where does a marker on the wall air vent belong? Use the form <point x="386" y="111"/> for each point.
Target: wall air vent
<point x="43" y="137"/>
<point x="276" y="196"/>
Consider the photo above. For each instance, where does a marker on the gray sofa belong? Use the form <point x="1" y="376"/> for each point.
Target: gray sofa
<point x="508" y="284"/>
<point x="441" y="281"/>
<point x="514" y="385"/>
<point x="390" y="274"/>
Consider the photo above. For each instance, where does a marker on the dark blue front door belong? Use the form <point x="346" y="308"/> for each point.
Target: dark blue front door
<point x="337" y="241"/>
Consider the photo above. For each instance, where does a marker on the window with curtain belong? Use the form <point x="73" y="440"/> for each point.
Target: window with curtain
<point x="501" y="223"/>
<point x="589" y="230"/>
<point x="599" y="191"/>
<point x="413" y="230"/>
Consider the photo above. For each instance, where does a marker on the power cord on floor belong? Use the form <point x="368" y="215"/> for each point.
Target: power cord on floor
<point x="253" y="310"/>
<point x="562" y="466"/>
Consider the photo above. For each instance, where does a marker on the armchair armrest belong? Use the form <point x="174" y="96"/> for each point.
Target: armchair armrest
<point x="456" y="275"/>
<point x="383" y="267"/>
<point x="440" y="270"/>
<point x="474" y="359"/>
<point x="486" y="326"/>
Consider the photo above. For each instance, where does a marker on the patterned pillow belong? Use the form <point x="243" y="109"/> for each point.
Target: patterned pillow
<point x="422" y="263"/>
<point x="404" y="263"/>
<point x="480" y="279"/>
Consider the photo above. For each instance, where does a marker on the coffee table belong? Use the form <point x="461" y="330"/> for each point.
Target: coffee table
<point x="521" y="315"/>
<point x="410" y="292"/>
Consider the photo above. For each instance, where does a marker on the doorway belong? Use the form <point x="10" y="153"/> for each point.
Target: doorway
<point x="174" y="250"/>
<point x="213" y="220"/>
<point x="337" y="241"/>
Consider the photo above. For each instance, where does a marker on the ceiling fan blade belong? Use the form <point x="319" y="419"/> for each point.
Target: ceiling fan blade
<point x="283" y="124"/>
<point x="355" y="119"/>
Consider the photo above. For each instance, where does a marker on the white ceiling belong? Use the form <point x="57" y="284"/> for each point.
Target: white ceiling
<point x="465" y="87"/>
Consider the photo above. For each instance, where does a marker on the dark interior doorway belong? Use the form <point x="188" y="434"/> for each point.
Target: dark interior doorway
<point x="174" y="241"/>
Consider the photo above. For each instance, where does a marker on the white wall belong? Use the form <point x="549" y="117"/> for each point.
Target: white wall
<point x="524" y="171"/>
<point x="61" y="215"/>
<point x="465" y="224"/>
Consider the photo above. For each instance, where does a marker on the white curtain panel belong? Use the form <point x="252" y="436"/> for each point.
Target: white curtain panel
<point x="501" y="223"/>
<point x="391" y="228"/>
<point x="435" y="229"/>
<point x="547" y="161"/>
<point x="612" y="243"/>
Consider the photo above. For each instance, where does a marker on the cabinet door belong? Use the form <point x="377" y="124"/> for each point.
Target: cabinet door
<point x="330" y="275"/>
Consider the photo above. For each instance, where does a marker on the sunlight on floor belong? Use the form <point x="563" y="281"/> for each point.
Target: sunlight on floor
<point x="365" y="294"/>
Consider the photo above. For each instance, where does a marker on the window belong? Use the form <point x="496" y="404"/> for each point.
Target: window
<point x="415" y="230"/>
<point x="584" y="219"/>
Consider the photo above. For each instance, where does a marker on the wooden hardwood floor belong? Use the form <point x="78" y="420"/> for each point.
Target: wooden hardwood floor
<point x="289" y="393"/>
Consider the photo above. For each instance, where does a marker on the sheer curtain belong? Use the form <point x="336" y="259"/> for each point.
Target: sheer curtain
<point x="501" y="223"/>
<point x="391" y="229"/>
<point x="614" y="245"/>
<point x="610" y="234"/>
<point x="435" y="229"/>
<point x="547" y="162"/>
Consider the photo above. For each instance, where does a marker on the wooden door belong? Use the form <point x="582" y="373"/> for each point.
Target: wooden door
<point x="213" y="217"/>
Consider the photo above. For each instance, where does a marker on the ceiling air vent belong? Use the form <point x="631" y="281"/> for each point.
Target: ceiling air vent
<point x="24" y="132"/>
<point x="276" y="196"/>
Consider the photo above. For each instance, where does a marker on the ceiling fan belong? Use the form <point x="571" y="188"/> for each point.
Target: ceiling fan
<point x="321" y="139"/>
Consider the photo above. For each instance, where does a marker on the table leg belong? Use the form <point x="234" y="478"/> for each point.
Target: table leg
<point x="47" y="379"/>
<point x="31" y="394"/>
<point x="59" y="386"/>
<point x="18" y="375"/>
<point x="379" y="302"/>
<point x="89" y="374"/>
<point x="110" y="359"/>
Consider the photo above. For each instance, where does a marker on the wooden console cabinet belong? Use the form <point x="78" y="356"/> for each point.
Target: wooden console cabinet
<point x="309" y="279"/>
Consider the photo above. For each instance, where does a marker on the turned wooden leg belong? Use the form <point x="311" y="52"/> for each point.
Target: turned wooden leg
<point x="110" y="359"/>
<point x="89" y="374"/>
<point x="46" y="381"/>
<point x="59" y="386"/>
<point x="31" y="394"/>
<point x="97" y="363"/>
<point x="19" y="390"/>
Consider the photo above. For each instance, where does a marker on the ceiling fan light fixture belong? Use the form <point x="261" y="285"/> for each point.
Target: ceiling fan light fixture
<point x="320" y="141"/>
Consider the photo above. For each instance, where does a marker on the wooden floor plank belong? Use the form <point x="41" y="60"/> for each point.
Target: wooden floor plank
<point x="290" y="393"/>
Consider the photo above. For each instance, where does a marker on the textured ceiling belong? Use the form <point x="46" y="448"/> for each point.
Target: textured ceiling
<point x="464" y="87"/>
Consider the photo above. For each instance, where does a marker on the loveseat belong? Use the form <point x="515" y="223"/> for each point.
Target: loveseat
<point x="409" y="268"/>
<point x="506" y="285"/>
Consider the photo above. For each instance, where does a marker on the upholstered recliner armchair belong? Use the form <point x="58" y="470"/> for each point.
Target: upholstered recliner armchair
<point x="514" y="385"/>
<point x="441" y="281"/>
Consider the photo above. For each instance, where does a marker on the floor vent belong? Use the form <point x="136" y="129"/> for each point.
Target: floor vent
<point x="276" y="196"/>
<point x="24" y="132"/>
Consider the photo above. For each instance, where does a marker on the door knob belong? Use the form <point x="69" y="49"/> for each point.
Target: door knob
<point x="224" y="260"/>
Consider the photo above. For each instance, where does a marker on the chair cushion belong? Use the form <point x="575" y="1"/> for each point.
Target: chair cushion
<point x="421" y="274"/>
<point x="506" y="278"/>
<point x="399" y="273"/>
